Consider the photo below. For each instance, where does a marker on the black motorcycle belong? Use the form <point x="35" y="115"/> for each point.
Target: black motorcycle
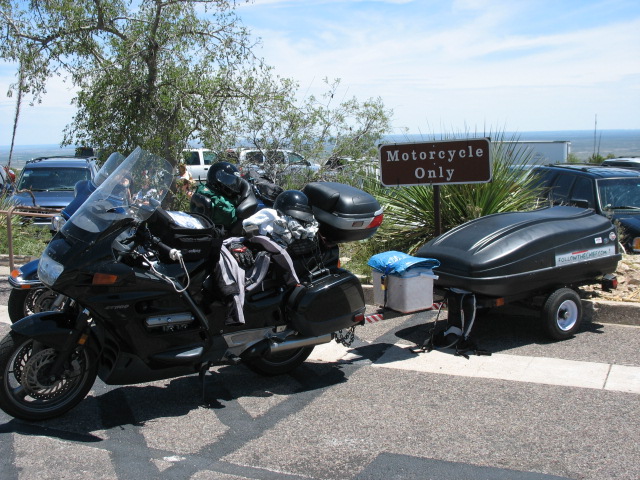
<point x="145" y="304"/>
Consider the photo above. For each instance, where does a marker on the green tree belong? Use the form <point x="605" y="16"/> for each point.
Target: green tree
<point x="160" y="74"/>
<point x="153" y="74"/>
<point x="320" y="128"/>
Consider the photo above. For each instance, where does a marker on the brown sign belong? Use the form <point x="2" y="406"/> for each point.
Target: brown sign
<point x="436" y="163"/>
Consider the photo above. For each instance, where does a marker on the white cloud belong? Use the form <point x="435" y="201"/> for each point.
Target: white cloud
<point x="417" y="65"/>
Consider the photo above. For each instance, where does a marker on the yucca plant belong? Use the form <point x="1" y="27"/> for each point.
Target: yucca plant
<point x="409" y="211"/>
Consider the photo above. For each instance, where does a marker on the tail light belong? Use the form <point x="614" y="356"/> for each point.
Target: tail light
<point x="609" y="282"/>
<point x="376" y="222"/>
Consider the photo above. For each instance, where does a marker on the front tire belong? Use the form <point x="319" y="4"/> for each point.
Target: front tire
<point x="25" y="302"/>
<point x="562" y="314"/>
<point x="28" y="392"/>
<point x="279" y="363"/>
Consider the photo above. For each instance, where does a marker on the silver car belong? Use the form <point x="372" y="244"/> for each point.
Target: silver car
<point x="274" y="163"/>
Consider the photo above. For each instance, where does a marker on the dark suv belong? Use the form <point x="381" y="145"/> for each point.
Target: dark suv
<point x="610" y="191"/>
<point x="50" y="181"/>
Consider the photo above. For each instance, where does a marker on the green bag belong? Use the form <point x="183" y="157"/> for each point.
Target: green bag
<point x="223" y="211"/>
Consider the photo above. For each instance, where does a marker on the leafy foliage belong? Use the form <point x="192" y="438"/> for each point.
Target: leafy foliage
<point x="312" y="126"/>
<point x="150" y="74"/>
<point x="161" y="74"/>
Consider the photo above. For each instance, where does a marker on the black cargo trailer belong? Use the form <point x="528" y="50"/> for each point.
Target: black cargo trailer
<point x="544" y="254"/>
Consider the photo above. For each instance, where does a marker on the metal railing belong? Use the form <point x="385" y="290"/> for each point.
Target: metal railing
<point x="24" y="212"/>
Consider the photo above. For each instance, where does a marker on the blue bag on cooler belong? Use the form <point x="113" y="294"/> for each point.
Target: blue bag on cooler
<point x="393" y="262"/>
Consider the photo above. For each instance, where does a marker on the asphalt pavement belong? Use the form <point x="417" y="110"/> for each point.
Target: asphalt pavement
<point x="533" y="409"/>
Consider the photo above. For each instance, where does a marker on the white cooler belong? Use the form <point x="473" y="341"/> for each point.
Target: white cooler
<point x="410" y="292"/>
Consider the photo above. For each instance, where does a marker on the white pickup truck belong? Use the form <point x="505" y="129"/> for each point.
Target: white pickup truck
<point x="198" y="161"/>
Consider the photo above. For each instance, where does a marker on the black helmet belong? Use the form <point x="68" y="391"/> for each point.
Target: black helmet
<point x="224" y="177"/>
<point x="295" y="204"/>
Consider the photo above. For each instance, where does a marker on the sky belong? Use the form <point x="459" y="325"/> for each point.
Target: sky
<point x="441" y="66"/>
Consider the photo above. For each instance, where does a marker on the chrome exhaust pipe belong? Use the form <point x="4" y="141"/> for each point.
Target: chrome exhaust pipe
<point x="299" y="343"/>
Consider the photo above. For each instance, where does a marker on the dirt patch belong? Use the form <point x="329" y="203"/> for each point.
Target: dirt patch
<point x="628" y="273"/>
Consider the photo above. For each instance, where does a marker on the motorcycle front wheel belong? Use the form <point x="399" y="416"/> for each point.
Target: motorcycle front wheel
<point x="23" y="303"/>
<point x="279" y="363"/>
<point x="28" y="391"/>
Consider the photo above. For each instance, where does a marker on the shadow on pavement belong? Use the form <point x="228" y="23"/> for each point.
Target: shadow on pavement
<point x="137" y="404"/>
<point x="496" y="330"/>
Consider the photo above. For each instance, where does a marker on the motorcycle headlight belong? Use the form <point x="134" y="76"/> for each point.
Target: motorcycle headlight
<point x="57" y="222"/>
<point x="49" y="270"/>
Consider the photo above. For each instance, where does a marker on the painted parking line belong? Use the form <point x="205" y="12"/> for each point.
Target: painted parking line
<point x="331" y="352"/>
<point x="517" y="368"/>
<point x="4" y="314"/>
<point x="623" y="378"/>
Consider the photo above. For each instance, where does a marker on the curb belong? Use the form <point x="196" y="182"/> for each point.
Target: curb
<point x="605" y="311"/>
<point x="18" y="260"/>
<point x="595" y="311"/>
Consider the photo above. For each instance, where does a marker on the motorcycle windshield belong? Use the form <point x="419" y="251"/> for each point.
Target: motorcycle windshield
<point x="133" y="191"/>
<point x="113" y="162"/>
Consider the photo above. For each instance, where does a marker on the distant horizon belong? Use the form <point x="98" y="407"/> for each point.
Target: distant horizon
<point x="583" y="143"/>
<point x="509" y="132"/>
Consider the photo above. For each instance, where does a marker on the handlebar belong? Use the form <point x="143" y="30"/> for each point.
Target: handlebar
<point x="173" y="253"/>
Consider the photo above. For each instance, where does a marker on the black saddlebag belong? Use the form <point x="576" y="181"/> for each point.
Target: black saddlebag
<point x="513" y="253"/>
<point x="193" y="234"/>
<point x="345" y="213"/>
<point x="327" y="304"/>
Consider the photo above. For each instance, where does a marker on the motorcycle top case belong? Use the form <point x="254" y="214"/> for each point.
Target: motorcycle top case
<point x="513" y="253"/>
<point x="193" y="234"/>
<point x="345" y="213"/>
<point x="327" y="304"/>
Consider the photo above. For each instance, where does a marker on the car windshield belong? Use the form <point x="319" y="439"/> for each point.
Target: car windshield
<point x="47" y="179"/>
<point x="209" y="158"/>
<point x="255" y="157"/>
<point x="619" y="193"/>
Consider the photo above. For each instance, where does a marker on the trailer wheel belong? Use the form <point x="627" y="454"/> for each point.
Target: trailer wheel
<point x="562" y="314"/>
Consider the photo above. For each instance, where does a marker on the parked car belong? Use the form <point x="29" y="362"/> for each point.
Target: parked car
<point x="274" y="163"/>
<point x="611" y="191"/>
<point x="50" y="182"/>
<point x="626" y="162"/>
<point x="198" y="161"/>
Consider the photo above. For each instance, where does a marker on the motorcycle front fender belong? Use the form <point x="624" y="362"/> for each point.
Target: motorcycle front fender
<point x="26" y="276"/>
<point x="50" y="328"/>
